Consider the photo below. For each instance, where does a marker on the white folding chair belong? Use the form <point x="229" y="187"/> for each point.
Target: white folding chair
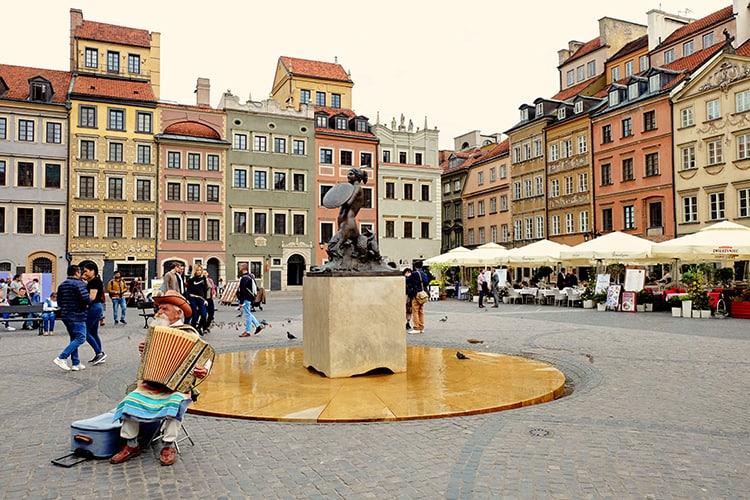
<point x="514" y="296"/>
<point x="574" y="297"/>
<point x="561" y="298"/>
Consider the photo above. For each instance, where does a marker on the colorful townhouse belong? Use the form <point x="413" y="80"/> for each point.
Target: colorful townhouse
<point x="113" y="117"/>
<point x="271" y="192"/>
<point x="191" y="170"/>
<point x="33" y="170"/>
<point x="343" y="138"/>
<point x="409" y="215"/>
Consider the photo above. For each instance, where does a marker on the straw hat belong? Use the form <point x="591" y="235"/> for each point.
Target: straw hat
<point x="173" y="297"/>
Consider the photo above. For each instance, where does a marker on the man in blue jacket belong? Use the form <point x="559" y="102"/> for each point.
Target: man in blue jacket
<point x="73" y="299"/>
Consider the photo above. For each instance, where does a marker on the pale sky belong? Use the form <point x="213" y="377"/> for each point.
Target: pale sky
<point x="465" y="65"/>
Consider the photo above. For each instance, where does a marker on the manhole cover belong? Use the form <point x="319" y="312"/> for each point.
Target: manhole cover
<point x="539" y="432"/>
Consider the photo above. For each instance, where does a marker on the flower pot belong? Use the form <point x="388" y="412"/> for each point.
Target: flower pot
<point x="640" y="308"/>
<point x="601" y="307"/>
<point x="676" y="312"/>
<point x="588" y="304"/>
<point x="740" y="310"/>
<point x="506" y="300"/>
<point x="687" y="307"/>
<point x="696" y="314"/>
<point x="648" y="307"/>
<point x="705" y="313"/>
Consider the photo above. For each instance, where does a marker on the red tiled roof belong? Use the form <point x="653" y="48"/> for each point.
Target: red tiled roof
<point x="317" y="69"/>
<point x="17" y="80"/>
<point x="699" y="24"/>
<point x="116" y="34"/>
<point x="586" y="48"/>
<point x="192" y="129"/>
<point x="574" y="90"/>
<point x="108" y="87"/>
<point x="630" y="47"/>
<point x="744" y="49"/>
<point x="695" y="59"/>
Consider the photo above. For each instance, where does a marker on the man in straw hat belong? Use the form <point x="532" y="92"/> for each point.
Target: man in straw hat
<point x="151" y="401"/>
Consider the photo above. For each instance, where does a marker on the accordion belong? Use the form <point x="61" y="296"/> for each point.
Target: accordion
<point x="170" y="355"/>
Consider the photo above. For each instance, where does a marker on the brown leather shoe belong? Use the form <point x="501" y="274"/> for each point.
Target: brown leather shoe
<point x="168" y="454"/>
<point x="125" y="454"/>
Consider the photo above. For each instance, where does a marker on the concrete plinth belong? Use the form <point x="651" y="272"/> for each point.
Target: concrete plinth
<point x="354" y="324"/>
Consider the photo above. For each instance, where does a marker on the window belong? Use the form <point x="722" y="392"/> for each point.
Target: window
<point x="193" y="229"/>
<point x="86" y="226"/>
<point x="578" y="107"/>
<point x="528" y="228"/>
<point x="687" y="155"/>
<point x="560" y="116"/>
<point x="326" y="156"/>
<point x="260" y="223"/>
<point x="690" y="209"/>
<point x="456" y="185"/>
<point x="174" y="159"/>
<point x="173" y="228"/>
<point x="91" y="58"/>
<point x="569" y="223"/>
<point x="527" y="188"/>
<point x="687" y="48"/>
<point x="493" y="174"/>
<point x="606" y="174"/>
<point x="708" y="40"/>
<point x="193" y="192"/>
<point x="260" y="179"/>
<point x="26" y="130"/>
<point x="408" y="191"/>
<point x="239" y="222"/>
<point x="212" y="193"/>
<point x="240" y="141"/>
<point x="402" y="157"/>
<point x="627" y="127"/>
<point x="345" y="158"/>
<point x="555" y="225"/>
<point x="212" y="163"/>
<point x="279" y="223"/>
<point x="304" y="96"/>
<point x="390" y="190"/>
<point x="470" y="210"/>
<point x="173" y="191"/>
<point x="480" y="208"/>
<point x="194" y="161"/>
<point x="144" y="154"/>
<point x="298" y="224"/>
<point x="3" y="128"/>
<point x="568" y="184"/>
<point x="614" y="98"/>
<point x="320" y="98"/>
<point x="570" y="77"/>
<point x="649" y="120"/>
<point x="591" y="68"/>
<point x="134" y="63"/>
<point x="669" y="56"/>
<point x="628" y="217"/>
<point x="51" y="221"/>
<point x="408" y="232"/>
<point x="654" y="82"/>
<point x="555" y="188"/>
<point x="279" y="181"/>
<point x="114" y="227"/>
<point x="115" y="151"/>
<point x="365" y="159"/>
<point x="323" y="192"/>
<point x="480" y="178"/>
<point x="629" y="65"/>
<point x="716" y="206"/>
<point x="539" y="109"/>
<point x="298" y="182"/>
<point x="481" y="236"/>
<point x="335" y="100"/>
<point x="713" y="109"/>
<point x="655" y="214"/>
<point x="114" y="188"/>
<point x="425" y="188"/>
<point x="213" y="227"/>
<point x="54" y="132"/>
<point x="652" y="164"/>
<point x="3" y="173"/>
<point x="686" y="117"/>
<point x="87" y="116"/>
<point x="386" y="156"/>
<point x="742" y="101"/>
<point x="86" y="186"/>
<point x="607" y="219"/>
<point x="743" y="202"/>
<point x="25" y="174"/>
<point x="643" y="63"/>
<point x="142" y="190"/>
<point x="143" y="121"/>
<point x="516" y="190"/>
<point x="615" y="73"/>
<point x="52" y="176"/>
<point x="240" y="178"/>
<point x="390" y="229"/>
<point x="627" y="169"/>
<point x="298" y="147"/>
<point x="582" y="144"/>
<point x="113" y="61"/>
<point x="517" y="228"/>
<point x="714" y="152"/>
<point x="606" y="133"/>
<point x="142" y="227"/>
<point x="553" y="152"/>
<point x="580" y="75"/>
<point x="321" y="120"/>
<point x="493" y="205"/>
<point x="567" y="148"/>
<point x="279" y="145"/>
<point x="583" y="220"/>
<point x="116" y="119"/>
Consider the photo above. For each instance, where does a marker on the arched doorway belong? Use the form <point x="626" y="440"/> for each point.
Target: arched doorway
<point x="295" y="270"/>
<point x="41" y="265"/>
<point x="212" y="266"/>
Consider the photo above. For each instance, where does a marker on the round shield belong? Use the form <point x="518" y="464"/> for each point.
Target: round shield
<point x="337" y="195"/>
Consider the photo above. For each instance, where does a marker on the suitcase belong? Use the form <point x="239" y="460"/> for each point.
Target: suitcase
<point x="98" y="437"/>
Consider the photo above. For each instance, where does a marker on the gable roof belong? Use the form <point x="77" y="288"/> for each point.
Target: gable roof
<point x="698" y="25"/>
<point x="632" y="46"/>
<point x="584" y="49"/>
<point x="315" y="69"/>
<point x="17" y="80"/>
<point x="116" y="89"/>
<point x="689" y="63"/>
<point x="576" y="89"/>
<point x="192" y="129"/>
<point x="91" y="30"/>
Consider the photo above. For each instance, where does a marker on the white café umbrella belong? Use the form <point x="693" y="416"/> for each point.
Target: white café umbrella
<point x="614" y="247"/>
<point x="489" y="254"/>
<point x="539" y="253"/>
<point x="721" y="241"/>
<point x="448" y="257"/>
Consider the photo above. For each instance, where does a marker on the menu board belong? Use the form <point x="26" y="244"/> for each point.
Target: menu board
<point x="628" y="302"/>
<point x="634" y="279"/>
<point x="613" y="296"/>
<point x="602" y="282"/>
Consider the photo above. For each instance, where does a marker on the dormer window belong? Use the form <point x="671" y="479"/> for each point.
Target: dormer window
<point x="654" y="82"/>
<point x="560" y="113"/>
<point x="360" y="125"/>
<point x="524" y="114"/>
<point x="321" y="120"/>
<point x="614" y="98"/>
<point x="633" y="90"/>
<point x="578" y="108"/>
<point x="341" y="123"/>
<point x="539" y="109"/>
<point x="40" y="90"/>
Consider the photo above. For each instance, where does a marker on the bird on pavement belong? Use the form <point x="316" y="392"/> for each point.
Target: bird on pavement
<point x="444" y="319"/>
<point x="475" y="341"/>
<point x="290" y="336"/>
<point x="461" y="355"/>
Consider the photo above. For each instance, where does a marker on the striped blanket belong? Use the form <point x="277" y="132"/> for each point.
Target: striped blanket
<point x="146" y="404"/>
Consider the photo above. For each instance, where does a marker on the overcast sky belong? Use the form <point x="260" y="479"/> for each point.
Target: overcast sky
<point x="465" y="65"/>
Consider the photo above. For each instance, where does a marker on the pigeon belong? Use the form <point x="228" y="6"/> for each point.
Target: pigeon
<point x="290" y="336"/>
<point x="264" y="322"/>
<point x="475" y="341"/>
<point x="444" y="319"/>
<point x="461" y="355"/>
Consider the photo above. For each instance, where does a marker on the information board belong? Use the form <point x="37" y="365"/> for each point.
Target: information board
<point x="628" y="302"/>
<point x="602" y="282"/>
<point x="634" y="279"/>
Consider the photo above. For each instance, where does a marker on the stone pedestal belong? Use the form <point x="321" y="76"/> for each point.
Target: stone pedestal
<point x="354" y="324"/>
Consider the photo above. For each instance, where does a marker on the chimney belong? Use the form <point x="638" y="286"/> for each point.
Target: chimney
<point x="76" y="21"/>
<point x="662" y="24"/>
<point x="203" y="92"/>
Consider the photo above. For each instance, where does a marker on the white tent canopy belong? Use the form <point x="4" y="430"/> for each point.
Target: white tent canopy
<point x="539" y="253"/>
<point x="448" y="257"/>
<point x="489" y="254"/>
<point x="721" y="241"/>
<point x="614" y="247"/>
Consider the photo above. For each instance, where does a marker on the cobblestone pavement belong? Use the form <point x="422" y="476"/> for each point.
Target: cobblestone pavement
<point x="658" y="409"/>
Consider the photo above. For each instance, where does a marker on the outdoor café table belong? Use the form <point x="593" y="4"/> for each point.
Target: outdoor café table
<point x="548" y="295"/>
<point x="528" y="293"/>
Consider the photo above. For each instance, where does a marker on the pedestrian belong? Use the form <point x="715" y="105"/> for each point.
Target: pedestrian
<point x="172" y="279"/>
<point x="197" y="292"/>
<point x="211" y="306"/>
<point x="482" y="287"/>
<point x="74" y="301"/>
<point x="561" y="279"/>
<point x="407" y="272"/>
<point x="35" y="290"/>
<point x="246" y="292"/>
<point x="95" y="286"/>
<point x="418" y="282"/>
<point x="151" y="401"/>
<point x="50" y="309"/>
<point x="117" y="289"/>
<point x="4" y="302"/>
<point x="495" y="286"/>
<point x="13" y="289"/>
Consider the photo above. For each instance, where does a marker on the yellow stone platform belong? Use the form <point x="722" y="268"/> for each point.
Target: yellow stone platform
<point x="273" y="384"/>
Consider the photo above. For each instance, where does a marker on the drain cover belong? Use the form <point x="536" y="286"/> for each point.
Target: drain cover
<point x="539" y="432"/>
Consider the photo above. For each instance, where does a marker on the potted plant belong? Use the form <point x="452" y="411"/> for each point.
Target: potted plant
<point x="724" y="276"/>
<point x="675" y="303"/>
<point x="600" y="299"/>
<point x="587" y="296"/>
<point x="739" y="306"/>
<point x="645" y="298"/>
